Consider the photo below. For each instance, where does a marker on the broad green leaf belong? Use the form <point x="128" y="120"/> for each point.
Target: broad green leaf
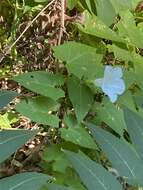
<point x="94" y="26"/>
<point x="70" y="179"/>
<point x="71" y="4"/>
<point x="138" y="98"/>
<point x="132" y="75"/>
<point x="135" y="128"/>
<point x="70" y="120"/>
<point x="6" y="97"/>
<point x="138" y="66"/>
<point x="122" y="54"/>
<point x="130" y="101"/>
<point x="130" y="78"/>
<point x="92" y="174"/>
<point x="111" y="115"/>
<point x="121" y="154"/>
<point x="56" y="157"/>
<point x="27" y="180"/>
<point x="80" y="96"/>
<point x="7" y="119"/>
<point x="4" y="122"/>
<point x="57" y="187"/>
<point x="11" y="140"/>
<point x="129" y="31"/>
<point x="85" y="62"/>
<point x="127" y="100"/>
<point x="43" y="83"/>
<point x="39" y="110"/>
<point x="78" y="135"/>
<point x="120" y="5"/>
<point x="89" y="5"/>
<point x="105" y="11"/>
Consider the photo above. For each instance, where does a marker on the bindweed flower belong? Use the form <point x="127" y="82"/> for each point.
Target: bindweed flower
<point x="112" y="83"/>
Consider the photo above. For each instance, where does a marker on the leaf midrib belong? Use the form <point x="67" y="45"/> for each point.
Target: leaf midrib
<point x="25" y="181"/>
<point x="90" y="171"/>
<point x="13" y="138"/>
<point x="124" y="161"/>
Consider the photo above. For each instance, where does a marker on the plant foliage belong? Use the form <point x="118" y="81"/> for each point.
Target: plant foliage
<point x="94" y="134"/>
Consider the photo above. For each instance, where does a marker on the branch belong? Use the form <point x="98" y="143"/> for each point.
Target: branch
<point x="62" y="26"/>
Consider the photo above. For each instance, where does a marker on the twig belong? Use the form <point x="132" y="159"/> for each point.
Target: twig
<point x="62" y="27"/>
<point x="27" y="27"/>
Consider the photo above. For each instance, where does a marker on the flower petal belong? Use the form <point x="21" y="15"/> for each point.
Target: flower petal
<point x="113" y="72"/>
<point x="115" y="87"/>
<point x="113" y="97"/>
<point x="112" y="84"/>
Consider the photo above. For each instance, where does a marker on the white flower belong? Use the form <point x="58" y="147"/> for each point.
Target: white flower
<point x="112" y="83"/>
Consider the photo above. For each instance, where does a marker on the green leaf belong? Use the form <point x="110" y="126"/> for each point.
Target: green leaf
<point x="89" y="5"/>
<point x="78" y="135"/>
<point x="57" y="187"/>
<point x="122" y="54"/>
<point x="70" y="179"/>
<point x="138" y="98"/>
<point x="111" y="115"/>
<point x="94" y="26"/>
<point x="105" y="11"/>
<point x="39" y="110"/>
<point x="56" y="157"/>
<point x="132" y="75"/>
<point x="43" y="83"/>
<point x="127" y="100"/>
<point x="6" y="97"/>
<point x="7" y="119"/>
<point x="71" y="4"/>
<point x="129" y="31"/>
<point x="80" y="96"/>
<point x="85" y="62"/>
<point x="130" y="78"/>
<point x="11" y="140"/>
<point x="138" y="66"/>
<point x="121" y="154"/>
<point x="92" y="174"/>
<point x="70" y="120"/>
<point x="29" y="181"/>
<point x="120" y="5"/>
<point x="130" y="101"/>
<point x="134" y="125"/>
